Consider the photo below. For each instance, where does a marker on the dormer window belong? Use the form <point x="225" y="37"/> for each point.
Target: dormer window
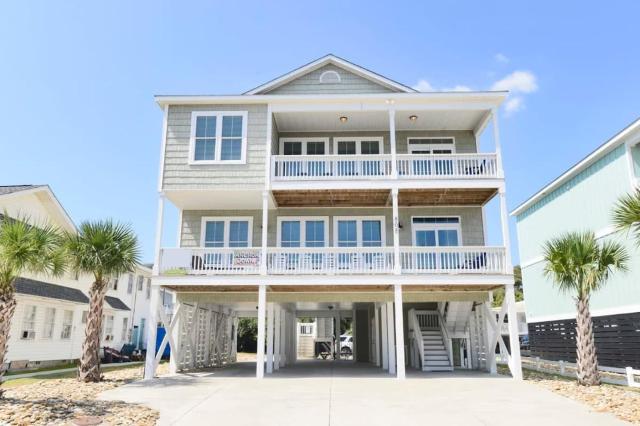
<point x="218" y="137"/>
<point x="330" y="77"/>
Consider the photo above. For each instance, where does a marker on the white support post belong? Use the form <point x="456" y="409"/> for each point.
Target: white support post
<point x="152" y="329"/>
<point x="514" y="340"/>
<point x="384" y="336"/>
<point x="392" y="142"/>
<point x="276" y="343"/>
<point x="265" y="223"/>
<point x="391" y="339"/>
<point x="376" y="333"/>
<point x="491" y="343"/>
<point x="262" y="307"/>
<point x="283" y="338"/>
<point x="338" y="333"/>
<point x="496" y="140"/>
<point x="397" y="290"/>
<point x="270" y="312"/>
<point x="159" y="232"/>
<point x="506" y="240"/>
<point x="174" y="355"/>
<point x="396" y="233"/>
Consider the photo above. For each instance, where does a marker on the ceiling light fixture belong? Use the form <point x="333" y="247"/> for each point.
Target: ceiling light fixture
<point x="413" y="117"/>
<point x="344" y="119"/>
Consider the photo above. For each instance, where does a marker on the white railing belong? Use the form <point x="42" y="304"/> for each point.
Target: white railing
<point x="445" y="337"/>
<point x="417" y="337"/>
<point x="447" y="166"/>
<point x="460" y="259"/>
<point x="210" y="261"/>
<point x="330" y="167"/>
<point x="330" y="260"/>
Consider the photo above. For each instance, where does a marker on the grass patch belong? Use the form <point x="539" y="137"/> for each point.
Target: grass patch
<point x="37" y="370"/>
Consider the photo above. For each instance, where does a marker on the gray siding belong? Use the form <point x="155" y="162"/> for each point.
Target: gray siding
<point x="179" y="174"/>
<point x="470" y="217"/>
<point x="310" y="84"/>
<point x="465" y="141"/>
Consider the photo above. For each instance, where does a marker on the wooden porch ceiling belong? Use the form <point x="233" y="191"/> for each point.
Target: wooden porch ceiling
<point x="382" y="197"/>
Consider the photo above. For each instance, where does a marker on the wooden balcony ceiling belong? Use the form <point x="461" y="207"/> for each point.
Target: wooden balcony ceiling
<point x="382" y="197"/>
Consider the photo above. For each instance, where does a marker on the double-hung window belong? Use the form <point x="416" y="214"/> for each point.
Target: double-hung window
<point x="49" y="323"/>
<point x="218" y="137"/>
<point x="130" y="284"/>
<point x="366" y="231"/>
<point x="67" y="324"/>
<point x="29" y="323"/>
<point x="302" y="232"/>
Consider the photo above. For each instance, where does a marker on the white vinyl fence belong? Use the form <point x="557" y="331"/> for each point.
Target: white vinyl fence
<point x="613" y="375"/>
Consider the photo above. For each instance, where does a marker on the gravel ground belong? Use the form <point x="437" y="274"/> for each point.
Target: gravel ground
<point x="621" y="401"/>
<point x="59" y="401"/>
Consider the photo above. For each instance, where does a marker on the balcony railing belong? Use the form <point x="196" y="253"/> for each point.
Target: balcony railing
<point x="333" y="260"/>
<point x="366" y="167"/>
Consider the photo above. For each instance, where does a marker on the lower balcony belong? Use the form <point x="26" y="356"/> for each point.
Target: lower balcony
<point x="333" y="261"/>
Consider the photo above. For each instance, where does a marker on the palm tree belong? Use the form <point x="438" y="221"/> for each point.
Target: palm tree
<point x="626" y="214"/>
<point x="579" y="265"/>
<point x="24" y="247"/>
<point x="104" y="249"/>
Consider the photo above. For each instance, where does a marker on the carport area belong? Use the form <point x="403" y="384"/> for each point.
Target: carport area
<point x="314" y="393"/>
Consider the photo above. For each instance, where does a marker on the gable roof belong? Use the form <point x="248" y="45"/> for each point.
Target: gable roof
<point x="50" y="291"/>
<point x="10" y="189"/>
<point x="45" y="190"/>
<point x="116" y="303"/>
<point x="605" y="148"/>
<point x="337" y="61"/>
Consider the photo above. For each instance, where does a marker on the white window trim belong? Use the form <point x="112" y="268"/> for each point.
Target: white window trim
<point x="332" y="72"/>
<point x="32" y="330"/>
<point x="303" y="229"/>
<point x="46" y="324"/>
<point x="436" y="226"/>
<point x="304" y="142"/>
<point x="226" y="220"/>
<point x="359" y="219"/>
<point x="218" y="148"/>
<point x="358" y="140"/>
<point x="70" y="324"/>
<point x="429" y="146"/>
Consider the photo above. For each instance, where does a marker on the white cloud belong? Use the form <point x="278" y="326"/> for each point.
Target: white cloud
<point x="423" y="86"/>
<point x="513" y="105"/>
<point x="499" y="57"/>
<point x="458" y="88"/>
<point x="517" y="82"/>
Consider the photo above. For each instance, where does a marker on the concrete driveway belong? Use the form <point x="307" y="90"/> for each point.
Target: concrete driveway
<point x="325" y="393"/>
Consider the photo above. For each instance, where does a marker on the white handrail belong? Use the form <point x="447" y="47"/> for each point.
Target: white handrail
<point x="447" y="166"/>
<point x="330" y="260"/>
<point x="417" y="335"/>
<point x="330" y="167"/>
<point x="446" y="338"/>
<point x="457" y="259"/>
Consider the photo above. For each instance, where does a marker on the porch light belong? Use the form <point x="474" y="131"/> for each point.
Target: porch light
<point x="413" y="117"/>
<point x="344" y="119"/>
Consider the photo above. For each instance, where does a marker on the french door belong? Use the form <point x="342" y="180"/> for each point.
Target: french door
<point x="359" y="146"/>
<point x="367" y="231"/>
<point x="436" y="232"/>
<point x="304" y="147"/>
<point x="431" y="146"/>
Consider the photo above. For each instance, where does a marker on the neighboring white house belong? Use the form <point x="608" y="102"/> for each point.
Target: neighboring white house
<point x="49" y="321"/>
<point x="334" y="192"/>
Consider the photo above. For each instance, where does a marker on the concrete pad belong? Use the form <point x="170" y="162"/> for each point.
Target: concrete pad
<point x="345" y="393"/>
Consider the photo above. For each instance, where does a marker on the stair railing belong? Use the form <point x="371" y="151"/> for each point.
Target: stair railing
<point x="446" y="338"/>
<point x="417" y="335"/>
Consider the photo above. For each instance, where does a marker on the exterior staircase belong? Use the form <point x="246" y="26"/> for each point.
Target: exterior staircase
<point x="432" y="346"/>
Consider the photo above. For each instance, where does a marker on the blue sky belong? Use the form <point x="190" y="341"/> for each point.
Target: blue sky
<point x="77" y="80"/>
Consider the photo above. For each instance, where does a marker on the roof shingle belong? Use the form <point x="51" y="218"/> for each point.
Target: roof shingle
<point x="51" y="291"/>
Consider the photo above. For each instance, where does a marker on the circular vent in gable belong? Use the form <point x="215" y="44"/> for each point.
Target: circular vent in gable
<point x="330" y="77"/>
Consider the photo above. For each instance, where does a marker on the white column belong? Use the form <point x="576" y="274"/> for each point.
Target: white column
<point x="152" y="328"/>
<point x="397" y="290"/>
<point x="159" y="231"/>
<point x="277" y="337"/>
<point x="265" y="223"/>
<point x="396" y="232"/>
<point x="270" y="313"/>
<point x="491" y="349"/>
<point x="506" y="240"/>
<point x="392" y="142"/>
<point x="376" y="333"/>
<point x="496" y="140"/>
<point x="354" y="345"/>
<point x="384" y="339"/>
<point x="338" y="333"/>
<point x="262" y="305"/>
<point x="391" y="339"/>
<point x="514" y="340"/>
<point x="283" y="338"/>
<point x="174" y="354"/>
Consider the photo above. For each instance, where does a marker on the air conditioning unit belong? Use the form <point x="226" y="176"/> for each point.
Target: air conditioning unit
<point x="28" y="334"/>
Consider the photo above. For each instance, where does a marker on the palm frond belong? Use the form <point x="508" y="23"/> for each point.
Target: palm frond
<point x="626" y="214"/>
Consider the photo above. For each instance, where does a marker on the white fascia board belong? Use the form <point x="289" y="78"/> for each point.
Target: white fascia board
<point x="52" y="197"/>
<point x="581" y="165"/>
<point x="487" y="98"/>
<point x="325" y="60"/>
<point x="305" y="280"/>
